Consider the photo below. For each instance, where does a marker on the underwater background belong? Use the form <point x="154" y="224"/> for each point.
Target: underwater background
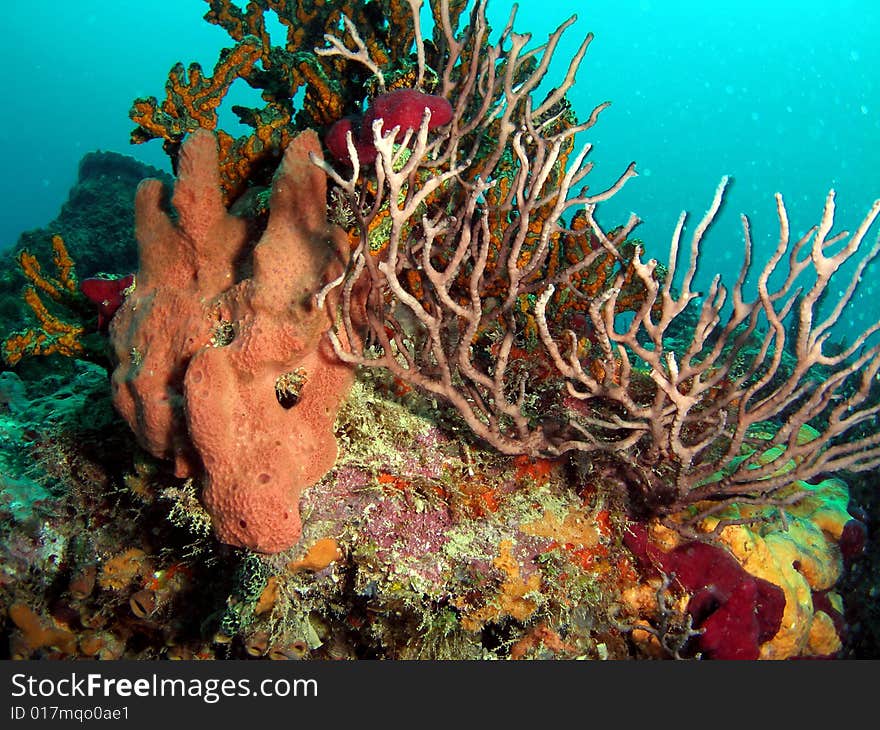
<point x="782" y="96"/>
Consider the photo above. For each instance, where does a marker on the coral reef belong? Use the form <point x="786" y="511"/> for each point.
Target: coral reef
<point x="380" y="400"/>
<point x="436" y="552"/>
<point x="441" y="550"/>
<point x="73" y="550"/>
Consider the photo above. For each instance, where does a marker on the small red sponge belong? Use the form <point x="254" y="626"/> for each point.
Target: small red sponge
<point x="403" y="108"/>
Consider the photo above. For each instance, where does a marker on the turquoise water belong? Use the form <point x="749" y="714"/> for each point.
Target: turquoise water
<point x="782" y="96"/>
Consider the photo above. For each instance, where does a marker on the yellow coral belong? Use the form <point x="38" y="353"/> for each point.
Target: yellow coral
<point x="576" y="528"/>
<point x="823" y="639"/>
<point x="191" y="98"/>
<point x="119" y="572"/>
<point x="801" y="559"/>
<point x="514" y="594"/>
<point x="54" y="286"/>
<point x="322" y="554"/>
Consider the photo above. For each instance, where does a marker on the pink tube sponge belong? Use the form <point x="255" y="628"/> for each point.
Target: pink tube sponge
<point x="223" y="361"/>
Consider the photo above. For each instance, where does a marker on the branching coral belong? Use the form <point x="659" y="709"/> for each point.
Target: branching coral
<point x="53" y="333"/>
<point x="463" y="228"/>
<point x="480" y="292"/>
<point x="726" y="400"/>
<point x="330" y="87"/>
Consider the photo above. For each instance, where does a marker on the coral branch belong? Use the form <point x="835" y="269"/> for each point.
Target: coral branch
<point x="60" y="327"/>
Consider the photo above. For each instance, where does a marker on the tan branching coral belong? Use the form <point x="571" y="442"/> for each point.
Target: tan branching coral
<point x="709" y="404"/>
<point x="470" y="219"/>
<point x="470" y="267"/>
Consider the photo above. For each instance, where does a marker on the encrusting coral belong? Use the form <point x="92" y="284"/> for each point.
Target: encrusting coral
<point x="202" y="342"/>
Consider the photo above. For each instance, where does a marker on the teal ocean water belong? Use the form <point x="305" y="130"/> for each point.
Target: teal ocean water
<point x="782" y="96"/>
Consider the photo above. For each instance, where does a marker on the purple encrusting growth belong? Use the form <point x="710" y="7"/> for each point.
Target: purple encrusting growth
<point x="400" y="534"/>
<point x="397" y="529"/>
<point x="348" y="496"/>
<point x="427" y="457"/>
